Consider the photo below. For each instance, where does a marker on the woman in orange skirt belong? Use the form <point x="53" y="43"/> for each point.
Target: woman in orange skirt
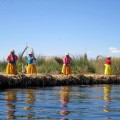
<point x="11" y="66"/>
<point x="66" y="68"/>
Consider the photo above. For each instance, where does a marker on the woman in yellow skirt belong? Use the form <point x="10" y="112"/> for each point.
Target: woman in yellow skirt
<point x="108" y="66"/>
<point x="66" y="68"/>
<point x="31" y="68"/>
<point x="11" y="66"/>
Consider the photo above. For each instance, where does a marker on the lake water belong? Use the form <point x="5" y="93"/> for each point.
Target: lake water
<point x="96" y="102"/>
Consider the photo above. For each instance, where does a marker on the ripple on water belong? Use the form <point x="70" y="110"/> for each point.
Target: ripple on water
<point x="99" y="102"/>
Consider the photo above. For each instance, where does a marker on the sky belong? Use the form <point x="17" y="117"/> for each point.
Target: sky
<point x="55" y="27"/>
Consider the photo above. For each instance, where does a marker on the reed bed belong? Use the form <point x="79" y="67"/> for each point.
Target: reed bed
<point x="80" y="65"/>
<point x="44" y="80"/>
<point x="84" y="72"/>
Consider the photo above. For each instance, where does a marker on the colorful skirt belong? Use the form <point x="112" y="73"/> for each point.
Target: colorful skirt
<point x="66" y="69"/>
<point x="107" y="69"/>
<point x="11" y="69"/>
<point x="31" y="69"/>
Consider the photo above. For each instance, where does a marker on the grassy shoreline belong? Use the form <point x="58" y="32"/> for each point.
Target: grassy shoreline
<point x="80" y="65"/>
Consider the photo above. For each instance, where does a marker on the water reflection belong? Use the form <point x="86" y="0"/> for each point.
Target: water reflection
<point x="107" y="98"/>
<point x="30" y="99"/>
<point x="107" y="92"/>
<point x="10" y="97"/>
<point x="64" y="98"/>
<point x="61" y="103"/>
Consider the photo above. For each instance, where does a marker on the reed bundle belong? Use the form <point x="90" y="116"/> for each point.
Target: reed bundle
<point x="44" y="80"/>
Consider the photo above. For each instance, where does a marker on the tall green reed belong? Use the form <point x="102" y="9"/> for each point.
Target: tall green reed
<point x="80" y="65"/>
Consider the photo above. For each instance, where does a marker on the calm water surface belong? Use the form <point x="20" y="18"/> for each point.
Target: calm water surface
<point x="98" y="102"/>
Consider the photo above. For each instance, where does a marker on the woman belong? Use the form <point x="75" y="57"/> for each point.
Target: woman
<point x="66" y="68"/>
<point x="31" y="68"/>
<point x="11" y="66"/>
<point x="108" y="66"/>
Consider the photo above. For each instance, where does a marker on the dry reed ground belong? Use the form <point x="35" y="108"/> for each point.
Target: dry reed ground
<point x="43" y="80"/>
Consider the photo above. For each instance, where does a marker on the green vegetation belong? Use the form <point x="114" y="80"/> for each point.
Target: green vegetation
<point x="80" y="65"/>
<point x="3" y="65"/>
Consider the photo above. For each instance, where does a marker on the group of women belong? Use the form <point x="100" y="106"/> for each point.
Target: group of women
<point x="31" y="68"/>
<point x="66" y="69"/>
<point x="12" y="67"/>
